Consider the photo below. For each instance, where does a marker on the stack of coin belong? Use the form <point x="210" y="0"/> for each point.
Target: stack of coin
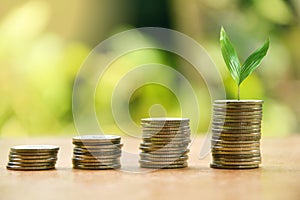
<point x="236" y="133"/>
<point x="165" y="143"/>
<point x="97" y="152"/>
<point x="32" y="157"/>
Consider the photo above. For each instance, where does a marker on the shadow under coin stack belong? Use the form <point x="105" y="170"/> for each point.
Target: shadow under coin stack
<point x="97" y="152"/>
<point x="165" y="143"/>
<point x="236" y="133"/>
<point x="32" y="157"/>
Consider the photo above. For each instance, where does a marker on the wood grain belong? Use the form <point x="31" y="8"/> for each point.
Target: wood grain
<point x="278" y="177"/>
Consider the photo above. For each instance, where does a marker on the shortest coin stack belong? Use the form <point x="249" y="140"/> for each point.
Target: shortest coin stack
<point x="97" y="152"/>
<point x="165" y="143"/>
<point x="32" y="157"/>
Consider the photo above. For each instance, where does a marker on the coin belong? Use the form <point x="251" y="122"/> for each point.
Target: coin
<point x="21" y="160"/>
<point x="16" y="167"/>
<point x="96" y="167"/>
<point x="236" y="134"/>
<point x="32" y="157"/>
<point x="96" y="140"/>
<point x="240" y="127"/>
<point x="29" y="157"/>
<point x="237" y="138"/>
<point x="92" y="157"/>
<point x="159" y="146"/>
<point x="165" y="119"/>
<point x="96" y="159"/>
<point x="32" y="164"/>
<point x="236" y="148"/>
<point x="166" y="127"/>
<point x="234" y="142"/>
<point x="163" y="159"/>
<point x="144" y="154"/>
<point x="76" y="162"/>
<point x="165" y="142"/>
<point x="236" y="159"/>
<point x="218" y="166"/>
<point x="97" y="152"/>
<point x="102" y="146"/>
<point x="166" y="166"/>
<point x="34" y="148"/>
<point x="237" y="111"/>
<point x="255" y="162"/>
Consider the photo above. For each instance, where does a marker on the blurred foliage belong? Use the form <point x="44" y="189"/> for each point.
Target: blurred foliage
<point x="43" y="44"/>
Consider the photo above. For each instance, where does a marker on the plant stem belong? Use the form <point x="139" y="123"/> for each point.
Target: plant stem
<point x="238" y="92"/>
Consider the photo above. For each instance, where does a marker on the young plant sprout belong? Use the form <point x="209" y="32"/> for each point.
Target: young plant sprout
<point x="240" y="72"/>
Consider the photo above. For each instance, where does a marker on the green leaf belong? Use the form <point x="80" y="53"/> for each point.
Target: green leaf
<point x="253" y="61"/>
<point x="230" y="56"/>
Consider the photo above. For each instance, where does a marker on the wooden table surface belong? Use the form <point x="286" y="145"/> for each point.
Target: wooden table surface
<point x="278" y="177"/>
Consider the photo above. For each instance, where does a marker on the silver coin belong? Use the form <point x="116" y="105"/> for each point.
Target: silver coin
<point x="14" y="167"/>
<point x="86" y="139"/>
<point x="143" y="165"/>
<point x="102" y="146"/>
<point x="163" y="156"/>
<point x="34" y="164"/>
<point x="165" y="119"/>
<point x="182" y="145"/>
<point x="87" y="157"/>
<point x="94" y="163"/>
<point x="99" y="167"/>
<point x="34" y="148"/>
<point x="21" y="160"/>
<point x="163" y="159"/>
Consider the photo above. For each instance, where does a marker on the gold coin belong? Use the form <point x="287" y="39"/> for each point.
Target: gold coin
<point x="236" y="163"/>
<point x="233" y="166"/>
<point x="214" y="151"/>
<point x="233" y="142"/>
<point x="226" y="159"/>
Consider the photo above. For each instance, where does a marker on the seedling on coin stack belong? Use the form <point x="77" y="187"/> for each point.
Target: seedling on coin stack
<point x="236" y="128"/>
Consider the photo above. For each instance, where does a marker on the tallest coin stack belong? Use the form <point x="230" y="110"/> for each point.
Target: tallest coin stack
<point x="236" y="133"/>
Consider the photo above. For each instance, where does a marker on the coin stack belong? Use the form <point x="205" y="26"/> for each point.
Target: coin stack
<point x="236" y="133"/>
<point x="165" y="143"/>
<point x="32" y="157"/>
<point x="97" y="152"/>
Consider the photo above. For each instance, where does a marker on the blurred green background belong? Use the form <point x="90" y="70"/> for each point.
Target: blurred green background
<point x="44" y="43"/>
